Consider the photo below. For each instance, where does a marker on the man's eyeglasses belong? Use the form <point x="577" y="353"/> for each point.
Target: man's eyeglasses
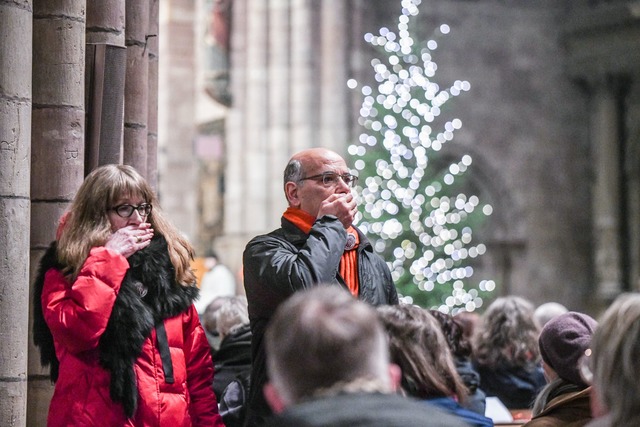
<point x="125" y="211"/>
<point x="331" y="178"/>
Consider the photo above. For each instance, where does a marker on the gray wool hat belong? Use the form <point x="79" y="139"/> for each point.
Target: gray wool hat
<point x="563" y="341"/>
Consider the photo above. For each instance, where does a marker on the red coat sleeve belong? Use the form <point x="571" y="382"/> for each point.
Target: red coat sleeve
<point x="204" y="407"/>
<point x="77" y="313"/>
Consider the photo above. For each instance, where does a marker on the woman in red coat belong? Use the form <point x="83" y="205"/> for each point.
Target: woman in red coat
<point x="114" y="315"/>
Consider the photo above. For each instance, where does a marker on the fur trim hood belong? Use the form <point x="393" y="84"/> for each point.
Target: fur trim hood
<point x="148" y="294"/>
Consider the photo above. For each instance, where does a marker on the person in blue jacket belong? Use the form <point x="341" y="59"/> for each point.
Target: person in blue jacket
<point x="419" y="347"/>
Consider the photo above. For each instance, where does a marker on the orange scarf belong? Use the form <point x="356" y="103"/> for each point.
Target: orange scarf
<point x="349" y="261"/>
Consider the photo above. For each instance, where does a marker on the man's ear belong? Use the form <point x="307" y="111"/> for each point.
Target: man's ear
<point x="273" y="398"/>
<point x="291" y="191"/>
<point x="395" y="374"/>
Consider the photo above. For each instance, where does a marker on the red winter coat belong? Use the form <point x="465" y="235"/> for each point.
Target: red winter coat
<point x="78" y="315"/>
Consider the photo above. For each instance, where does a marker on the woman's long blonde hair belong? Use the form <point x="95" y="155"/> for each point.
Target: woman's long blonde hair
<point x="87" y="225"/>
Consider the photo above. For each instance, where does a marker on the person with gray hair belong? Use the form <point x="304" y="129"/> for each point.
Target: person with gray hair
<point x="233" y="357"/>
<point x="329" y="365"/>
<point x="547" y="311"/>
<point x="615" y="365"/>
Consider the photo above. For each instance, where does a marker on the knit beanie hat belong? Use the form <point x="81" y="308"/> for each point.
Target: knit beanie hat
<point x="563" y="341"/>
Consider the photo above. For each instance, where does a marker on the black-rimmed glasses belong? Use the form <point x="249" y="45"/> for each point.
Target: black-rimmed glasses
<point x="331" y="178"/>
<point x="126" y="210"/>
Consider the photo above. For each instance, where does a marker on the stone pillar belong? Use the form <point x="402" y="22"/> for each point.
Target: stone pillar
<point x="632" y="178"/>
<point x="177" y="132"/>
<point x="303" y="85"/>
<point x="279" y="111"/>
<point x="104" y="82"/>
<point x="334" y="108"/>
<point x="136" y="86"/>
<point x="605" y="134"/>
<point x="235" y="236"/>
<point x="255" y="113"/>
<point x="57" y="144"/>
<point x="152" y="99"/>
<point x="15" y="135"/>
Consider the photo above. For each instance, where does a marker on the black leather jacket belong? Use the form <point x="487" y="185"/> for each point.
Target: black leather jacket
<point x="287" y="260"/>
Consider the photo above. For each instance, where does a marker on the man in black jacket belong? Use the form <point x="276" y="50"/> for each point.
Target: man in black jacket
<point x="328" y="362"/>
<point x="316" y="244"/>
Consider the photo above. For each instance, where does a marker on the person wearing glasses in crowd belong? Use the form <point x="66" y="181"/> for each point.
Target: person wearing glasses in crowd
<point x="315" y="244"/>
<point x="113" y="313"/>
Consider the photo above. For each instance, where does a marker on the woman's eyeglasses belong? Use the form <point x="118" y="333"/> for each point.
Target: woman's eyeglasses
<point x="331" y="178"/>
<point x="126" y="210"/>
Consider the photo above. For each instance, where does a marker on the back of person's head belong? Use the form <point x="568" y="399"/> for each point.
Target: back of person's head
<point x="616" y="360"/>
<point x="454" y="333"/>
<point x="231" y="315"/>
<point x="419" y="347"/>
<point x="547" y="311"/>
<point x="468" y="321"/>
<point x="323" y="341"/>
<point x="209" y="317"/>
<point x="507" y="334"/>
<point x="563" y="341"/>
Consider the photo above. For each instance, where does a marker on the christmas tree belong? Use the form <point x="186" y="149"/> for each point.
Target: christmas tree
<point x="417" y="212"/>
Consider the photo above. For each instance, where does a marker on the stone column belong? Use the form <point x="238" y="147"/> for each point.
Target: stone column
<point x="57" y="144"/>
<point x="334" y="109"/>
<point x="632" y="178"/>
<point x="104" y="82"/>
<point x="279" y="110"/>
<point x="15" y="135"/>
<point x="235" y="236"/>
<point x="176" y="133"/>
<point x="152" y="99"/>
<point x="303" y="85"/>
<point x="605" y="134"/>
<point x="255" y="118"/>
<point x="136" y="88"/>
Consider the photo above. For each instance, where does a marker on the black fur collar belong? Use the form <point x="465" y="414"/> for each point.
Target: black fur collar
<point x="148" y="295"/>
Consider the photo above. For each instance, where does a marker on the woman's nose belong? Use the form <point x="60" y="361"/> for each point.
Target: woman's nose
<point x="136" y="217"/>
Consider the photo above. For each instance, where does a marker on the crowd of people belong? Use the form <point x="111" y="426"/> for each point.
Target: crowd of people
<point x="320" y="337"/>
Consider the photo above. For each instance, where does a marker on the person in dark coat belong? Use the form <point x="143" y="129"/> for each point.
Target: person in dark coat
<point x="506" y="353"/>
<point x="233" y="357"/>
<point x="461" y="351"/>
<point x="329" y="366"/>
<point x="419" y="347"/>
<point x="565" y="400"/>
<point x="315" y="244"/>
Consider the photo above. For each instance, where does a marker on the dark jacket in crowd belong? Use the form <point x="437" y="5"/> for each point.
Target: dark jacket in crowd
<point x="370" y="410"/>
<point x="568" y="407"/>
<point x="232" y="359"/>
<point x="476" y="400"/>
<point x="516" y="387"/>
<point x="451" y="406"/>
<point x="287" y="260"/>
